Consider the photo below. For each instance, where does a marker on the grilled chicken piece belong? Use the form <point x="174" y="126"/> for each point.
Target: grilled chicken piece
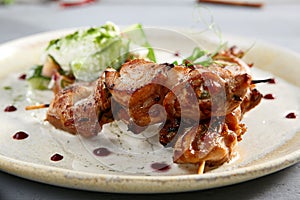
<point x="206" y="93"/>
<point x="121" y="114"/>
<point x="251" y="100"/>
<point x="233" y="120"/>
<point x="81" y="109"/>
<point x="137" y="87"/>
<point x="212" y="141"/>
<point x="215" y="90"/>
<point x="170" y="129"/>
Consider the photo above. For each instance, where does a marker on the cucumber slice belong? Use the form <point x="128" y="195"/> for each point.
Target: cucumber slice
<point x="36" y="80"/>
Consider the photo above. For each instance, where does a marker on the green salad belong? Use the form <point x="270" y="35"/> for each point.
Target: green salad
<point x="87" y="52"/>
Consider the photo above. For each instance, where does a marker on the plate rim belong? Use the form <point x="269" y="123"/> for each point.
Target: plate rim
<point x="205" y="181"/>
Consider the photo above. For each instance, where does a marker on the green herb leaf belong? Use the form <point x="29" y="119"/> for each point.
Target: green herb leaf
<point x="136" y="35"/>
<point x="7" y="87"/>
<point x="175" y="62"/>
<point x="197" y="53"/>
<point x="198" y="57"/>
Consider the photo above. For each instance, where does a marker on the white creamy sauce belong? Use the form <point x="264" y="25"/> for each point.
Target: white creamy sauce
<point x="267" y="130"/>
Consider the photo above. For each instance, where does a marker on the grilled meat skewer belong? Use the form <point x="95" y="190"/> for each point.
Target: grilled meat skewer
<point x="199" y="108"/>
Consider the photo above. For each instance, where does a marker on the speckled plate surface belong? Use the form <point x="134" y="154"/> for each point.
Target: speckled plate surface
<point x="137" y="163"/>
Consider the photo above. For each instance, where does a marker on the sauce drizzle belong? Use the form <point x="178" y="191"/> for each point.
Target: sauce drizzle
<point x="269" y="80"/>
<point x="269" y="96"/>
<point x="20" y="135"/>
<point x="272" y="81"/>
<point x="10" y="109"/>
<point x="102" y="151"/>
<point x="56" y="157"/>
<point x="177" y="54"/>
<point x="160" y="166"/>
<point x="22" y="77"/>
<point x="291" y="115"/>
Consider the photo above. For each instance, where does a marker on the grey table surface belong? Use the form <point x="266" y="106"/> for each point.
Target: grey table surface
<point x="277" y="23"/>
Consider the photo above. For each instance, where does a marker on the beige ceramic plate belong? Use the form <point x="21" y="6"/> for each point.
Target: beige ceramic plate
<point x="270" y="144"/>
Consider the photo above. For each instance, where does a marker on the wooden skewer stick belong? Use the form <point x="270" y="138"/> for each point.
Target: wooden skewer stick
<point x="201" y="167"/>
<point x="33" y="107"/>
<point x="233" y="3"/>
<point x="269" y="80"/>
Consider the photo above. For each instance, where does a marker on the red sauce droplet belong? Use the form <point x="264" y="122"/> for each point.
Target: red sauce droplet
<point x="56" y="157"/>
<point x="102" y="152"/>
<point x="291" y="115"/>
<point x="22" y="77"/>
<point x="272" y="81"/>
<point x="269" y="96"/>
<point x="10" y="109"/>
<point x="177" y="54"/>
<point x="250" y="65"/>
<point x="160" y="166"/>
<point x="20" y="135"/>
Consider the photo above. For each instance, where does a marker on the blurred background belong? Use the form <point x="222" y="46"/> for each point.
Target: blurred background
<point x="275" y="21"/>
